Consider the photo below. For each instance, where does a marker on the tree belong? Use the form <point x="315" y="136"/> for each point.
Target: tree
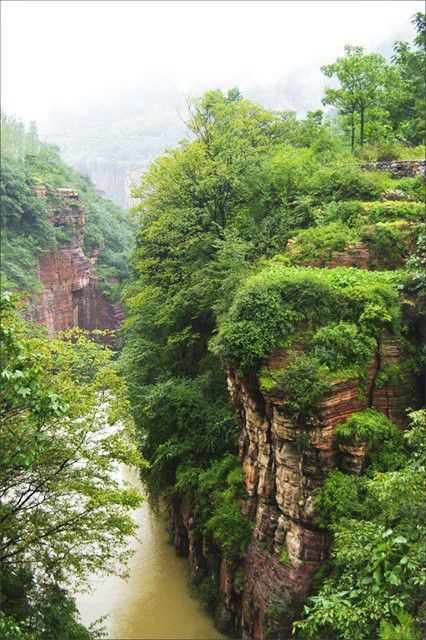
<point x="361" y="76"/>
<point x="404" y="96"/>
<point x="65" y="426"/>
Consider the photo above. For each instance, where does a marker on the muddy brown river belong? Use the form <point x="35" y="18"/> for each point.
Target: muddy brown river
<point x="154" y="603"/>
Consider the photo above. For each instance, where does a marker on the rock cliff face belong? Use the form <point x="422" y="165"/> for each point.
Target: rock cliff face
<point x="284" y="462"/>
<point x="70" y="295"/>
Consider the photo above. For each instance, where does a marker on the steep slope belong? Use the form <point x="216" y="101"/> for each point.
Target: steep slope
<point x="70" y="296"/>
<point x="305" y="349"/>
<point x="62" y="242"/>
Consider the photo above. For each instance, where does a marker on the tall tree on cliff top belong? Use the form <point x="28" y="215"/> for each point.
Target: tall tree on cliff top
<point x="404" y="98"/>
<point x="361" y="77"/>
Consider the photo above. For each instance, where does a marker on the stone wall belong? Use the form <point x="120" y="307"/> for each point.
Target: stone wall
<point x="400" y="168"/>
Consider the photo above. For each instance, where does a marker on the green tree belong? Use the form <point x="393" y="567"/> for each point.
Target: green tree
<point x="404" y="96"/>
<point x="361" y="76"/>
<point x="64" y="514"/>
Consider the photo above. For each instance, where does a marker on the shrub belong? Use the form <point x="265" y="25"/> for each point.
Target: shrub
<point x="388" y="211"/>
<point x="301" y="385"/>
<point x="343" y="345"/>
<point x="227" y="524"/>
<point x="387" y="244"/>
<point x="276" y="300"/>
<point x="337" y="499"/>
<point x="344" y="211"/>
<point x="368" y="426"/>
<point x="320" y="243"/>
<point x="413" y="186"/>
<point x="346" y="181"/>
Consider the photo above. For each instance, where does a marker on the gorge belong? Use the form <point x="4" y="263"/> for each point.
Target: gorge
<point x="222" y="391"/>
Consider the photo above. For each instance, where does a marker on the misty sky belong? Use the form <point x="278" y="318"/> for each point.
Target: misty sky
<point x="58" y="54"/>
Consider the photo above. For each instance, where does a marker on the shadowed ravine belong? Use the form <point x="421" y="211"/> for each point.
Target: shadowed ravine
<point x="154" y="602"/>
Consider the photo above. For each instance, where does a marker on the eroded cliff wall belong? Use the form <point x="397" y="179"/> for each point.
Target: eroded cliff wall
<point x="70" y="296"/>
<point x="285" y="460"/>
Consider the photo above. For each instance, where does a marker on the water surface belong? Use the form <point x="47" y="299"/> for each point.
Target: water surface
<point x="154" y="603"/>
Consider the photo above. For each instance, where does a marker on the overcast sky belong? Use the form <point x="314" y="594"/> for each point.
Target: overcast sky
<point x="60" y="53"/>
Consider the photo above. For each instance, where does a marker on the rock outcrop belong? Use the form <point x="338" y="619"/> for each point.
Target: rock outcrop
<point x="70" y="296"/>
<point x="284" y="462"/>
<point x="400" y="168"/>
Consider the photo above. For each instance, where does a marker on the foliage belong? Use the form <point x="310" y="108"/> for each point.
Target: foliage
<point x="345" y="180"/>
<point x="383" y="103"/>
<point x="320" y="243"/>
<point x="301" y="385"/>
<point x="206" y="291"/>
<point x="63" y="515"/>
<point x="274" y="301"/>
<point x="361" y="77"/>
<point x="375" y="586"/>
<point x="388" y="244"/>
<point x="405" y="87"/>
<point x="214" y="495"/>
<point x="390" y="211"/>
<point x="342" y="346"/>
<point x="368" y="426"/>
<point x="24" y="226"/>
<point x="337" y="499"/>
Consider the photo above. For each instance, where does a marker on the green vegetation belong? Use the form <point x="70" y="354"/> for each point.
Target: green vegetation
<point x="382" y="102"/>
<point x="63" y="514"/>
<point x="26" y="161"/>
<point x="214" y="494"/>
<point x="365" y="426"/>
<point x="375" y="584"/>
<point x="215" y="283"/>
<point x="273" y="302"/>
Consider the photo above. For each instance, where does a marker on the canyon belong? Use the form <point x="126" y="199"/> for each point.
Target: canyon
<point x="70" y="295"/>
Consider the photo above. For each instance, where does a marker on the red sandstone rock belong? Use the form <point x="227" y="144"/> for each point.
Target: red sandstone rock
<point x="70" y="295"/>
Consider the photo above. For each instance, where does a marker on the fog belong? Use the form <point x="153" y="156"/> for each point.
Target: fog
<point x="104" y="79"/>
<point x="60" y="53"/>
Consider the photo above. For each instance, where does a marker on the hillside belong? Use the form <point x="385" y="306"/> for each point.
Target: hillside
<point x="272" y="264"/>
<point x="27" y="231"/>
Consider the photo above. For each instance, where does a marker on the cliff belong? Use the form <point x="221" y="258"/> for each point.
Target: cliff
<point x="70" y="296"/>
<point x="285" y="456"/>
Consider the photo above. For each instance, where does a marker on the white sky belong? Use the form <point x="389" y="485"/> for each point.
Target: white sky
<point x="60" y="53"/>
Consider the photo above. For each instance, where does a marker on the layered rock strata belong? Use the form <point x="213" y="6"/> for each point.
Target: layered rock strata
<point x="284" y="463"/>
<point x="70" y="296"/>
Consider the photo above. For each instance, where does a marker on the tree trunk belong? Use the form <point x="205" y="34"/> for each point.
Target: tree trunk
<point x="352" y="132"/>
<point x="361" y="132"/>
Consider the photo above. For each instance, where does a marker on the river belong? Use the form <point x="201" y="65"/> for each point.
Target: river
<point x="154" y="603"/>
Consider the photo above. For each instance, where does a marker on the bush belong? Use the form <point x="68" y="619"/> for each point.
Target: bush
<point x="320" y="243"/>
<point x="276" y="300"/>
<point x="301" y="385"/>
<point x="368" y="426"/>
<point x="337" y="499"/>
<point x="389" y="211"/>
<point x="387" y="244"/>
<point x="346" y="181"/>
<point x="343" y="345"/>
